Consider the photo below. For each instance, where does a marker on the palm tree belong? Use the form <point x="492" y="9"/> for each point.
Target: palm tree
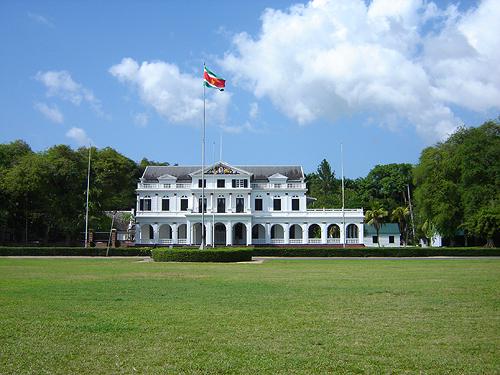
<point x="400" y="214"/>
<point x="376" y="217"/>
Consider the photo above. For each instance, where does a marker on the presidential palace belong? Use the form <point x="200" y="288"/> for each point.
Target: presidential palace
<point x="244" y="205"/>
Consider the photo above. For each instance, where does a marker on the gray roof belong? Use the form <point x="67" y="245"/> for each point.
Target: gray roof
<point x="258" y="172"/>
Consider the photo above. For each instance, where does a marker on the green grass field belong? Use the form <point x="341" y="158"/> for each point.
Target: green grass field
<point x="114" y="316"/>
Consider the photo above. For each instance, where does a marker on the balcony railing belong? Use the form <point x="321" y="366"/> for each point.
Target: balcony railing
<point x="315" y="241"/>
<point x="163" y="186"/>
<point x="295" y="241"/>
<point x="278" y="241"/>
<point x="333" y="241"/>
<point x="352" y="241"/>
<point x="291" y="185"/>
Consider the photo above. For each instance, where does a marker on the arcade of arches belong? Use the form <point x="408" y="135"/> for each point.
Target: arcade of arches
<point x="244" y="233"/>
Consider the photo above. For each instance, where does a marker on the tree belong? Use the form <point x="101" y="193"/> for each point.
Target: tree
<point x="376" y="217"/>
<point x="323" y="186"/>
<point x="387" y="184"/>
<point x="458" y="182"/>
<point x="401" y="214"/>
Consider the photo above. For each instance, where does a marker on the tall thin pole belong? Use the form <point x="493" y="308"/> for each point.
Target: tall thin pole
<point x="87" y="205"/>
<point x="343" y="195"/>
<point x="411" y="212"/>
<point x="220" y="150"/>
<point x="110" y="231"/>
<point x="202" y="245"/>
<point x="213" y="201"/>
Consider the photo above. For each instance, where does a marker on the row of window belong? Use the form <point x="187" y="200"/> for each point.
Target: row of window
<point x="375" y="239"/>
<point x="221" y="183"/>
<point x="145" y="204"/>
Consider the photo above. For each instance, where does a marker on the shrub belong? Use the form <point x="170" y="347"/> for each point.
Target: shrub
<point x="207" y="255"/>
<point x="72" y="251"/>
<point x="375" y="251"/>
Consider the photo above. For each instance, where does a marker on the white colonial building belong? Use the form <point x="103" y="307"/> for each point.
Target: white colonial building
<point x="244" y="205"/>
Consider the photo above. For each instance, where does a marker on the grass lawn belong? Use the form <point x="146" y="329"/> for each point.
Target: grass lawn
<point x="103" y="316"/>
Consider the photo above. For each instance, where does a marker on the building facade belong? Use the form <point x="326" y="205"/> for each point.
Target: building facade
<point x="244" y="205"/>
<point x="388" y="235"/>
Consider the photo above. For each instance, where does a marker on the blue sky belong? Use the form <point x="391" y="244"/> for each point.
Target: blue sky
<point x="385" y="78"/>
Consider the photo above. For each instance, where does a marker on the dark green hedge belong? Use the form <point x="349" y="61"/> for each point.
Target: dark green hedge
<point x="376" y="251"/>
<point x="72" y="251"/>
<point x="207" y="255"/>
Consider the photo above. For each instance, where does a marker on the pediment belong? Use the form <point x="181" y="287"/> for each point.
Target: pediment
<point x="222" y="168"/>
<point x="167" y="177"/>
<point x="277" y="177"/>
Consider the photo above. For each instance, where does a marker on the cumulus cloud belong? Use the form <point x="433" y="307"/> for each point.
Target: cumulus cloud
<point x="405" y="59"/>
<point x="175" y="95"/>
<point x="51" y="113"/>
<point x="60" y="84"/>
<point x="254" y="110"/>
<point x="79" y="136"/>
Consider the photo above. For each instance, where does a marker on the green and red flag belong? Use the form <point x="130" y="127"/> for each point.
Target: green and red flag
<point x="212" y="80"/>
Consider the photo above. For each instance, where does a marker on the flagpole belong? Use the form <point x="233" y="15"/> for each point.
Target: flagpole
<point x="202" y="245"/>
<point x="213" y="201"/>
<point x="87" y="204"/>
<point x="343" y="195"/>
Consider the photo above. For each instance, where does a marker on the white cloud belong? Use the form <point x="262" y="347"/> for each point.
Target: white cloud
<point x="79" y="136"/>
<point x="60" y="84"/>
<point x="141" y="119"/>
<point x="406" y="59"/>
<point x="40" y="19"/>
<point x="254" y="110"/>
<point x="174" y="95"/>
<point x="52" y="113"/>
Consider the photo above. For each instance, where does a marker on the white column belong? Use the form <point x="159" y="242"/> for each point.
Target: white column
<point x="323" y="233"/>
<point x="249" y="233"/>
<point x="229" y="234"/>
<point x="208" y="239"/>
<point x="212" y="200"/>
<point x="268" y="232"/>
<point x="342" y="234"/>
<point x="137" y="233"/>
<point x="230" y="203"/>
<point x="361" y="234"/>
<point x="286" y="234"/>
<point x="156" y="232"/>
<point x="305" y="233"/>
<point x="175" y="236"/>
<point x="188" y="232"/>
<point x="249" y="202"/>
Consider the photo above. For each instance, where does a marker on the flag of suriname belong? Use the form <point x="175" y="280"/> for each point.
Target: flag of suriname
<point x="212" y="80"/>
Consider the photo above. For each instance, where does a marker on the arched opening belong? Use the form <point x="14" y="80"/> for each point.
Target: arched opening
<point x="352" y="233"/>
<point x="219" y="234"/>
<point x="147" y="233"/>
<point x="258" y="234"/>
<point x="239" y="234"/>
<point x="295" y="234"/>
<point x="314" y="231"/>
<point x="182" y="234"/>
<point x="333" y="234"/>
<point x="165" y="232"/>
<point x="277" y="234"/>
<point x="197" y="234"/>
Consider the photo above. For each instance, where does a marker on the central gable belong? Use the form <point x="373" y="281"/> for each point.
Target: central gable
<point x="221" y="169"/>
